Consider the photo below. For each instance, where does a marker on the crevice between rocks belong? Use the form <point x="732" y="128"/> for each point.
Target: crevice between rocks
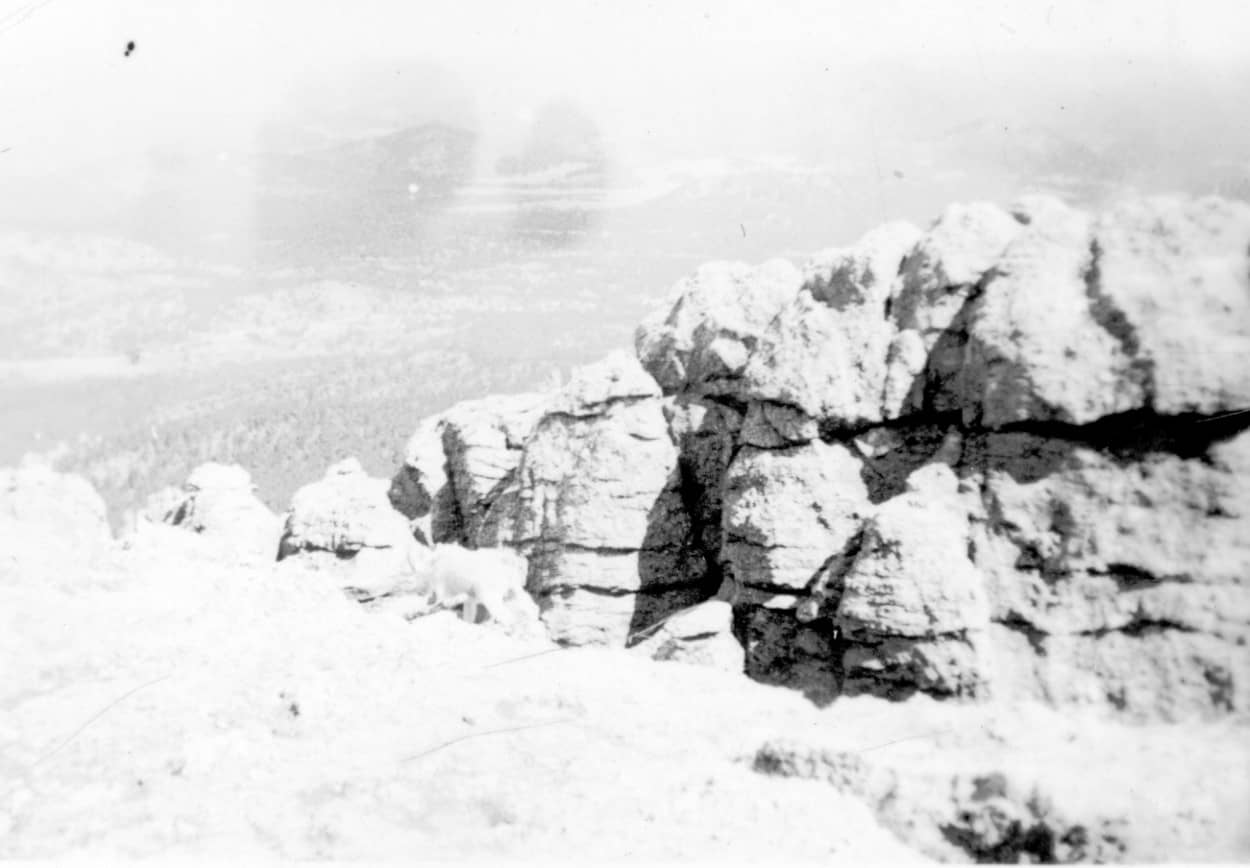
<point x="1116" y="323"/>
<point x="693" y="496"/>
<point x="597" y="410"/>
<point x="1017" y="623"/>
<point x="834" y="431"/>
<point x="1138" y="627"/>
<point x="1134" y="434"/>
<point x="565" y="589"/>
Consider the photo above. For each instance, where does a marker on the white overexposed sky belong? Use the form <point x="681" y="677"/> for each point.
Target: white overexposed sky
<point x="214" y="72"/>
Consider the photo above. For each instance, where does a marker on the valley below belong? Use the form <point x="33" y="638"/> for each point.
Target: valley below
<point x="131" y="362"/>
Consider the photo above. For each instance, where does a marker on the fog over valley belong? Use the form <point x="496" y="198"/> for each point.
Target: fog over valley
<point x="272" y="230"/>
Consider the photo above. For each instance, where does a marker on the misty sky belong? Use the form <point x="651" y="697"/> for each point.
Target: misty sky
<point x="677" y="78"/>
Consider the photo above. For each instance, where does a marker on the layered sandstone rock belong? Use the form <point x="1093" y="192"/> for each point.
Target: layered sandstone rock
<point x="344" y="527"/>
<point x="586" y="483"/>
<point x="343" y="513"/>
<point x="596" y="503"/>
<point x="1003" y="457"/>
<point x="456" y="461"/>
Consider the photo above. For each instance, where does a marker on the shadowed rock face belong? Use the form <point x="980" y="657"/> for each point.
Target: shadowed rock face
<point x="585" y="482"/>
<point x="1002" y="457"/>
<point x="1080" y="542"/>
<point x="456" y="461"/>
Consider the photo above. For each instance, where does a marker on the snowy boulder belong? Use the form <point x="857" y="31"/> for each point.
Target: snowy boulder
<point x="219" y="501"/>
<point x="36" y="495"/>
<point x="212" y="476"/>
<point x="343" y="530"/>
<point x="702" y="635"/>
<point x="48" y="518"/>
<point x="343" y="513"/>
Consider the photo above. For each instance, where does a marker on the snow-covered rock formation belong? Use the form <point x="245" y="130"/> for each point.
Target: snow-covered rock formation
<point x="219" y="501"/>
<point x="996" y="468"/>
<point x="1003" y="457"/>
<point x="1000" y="457"/>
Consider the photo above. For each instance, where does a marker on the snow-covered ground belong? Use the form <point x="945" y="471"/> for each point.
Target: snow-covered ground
<point x="162" y="699"/>
<point x="165" y="702"/>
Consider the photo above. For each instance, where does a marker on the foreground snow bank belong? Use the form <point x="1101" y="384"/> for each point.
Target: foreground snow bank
<point x="159" y="701"/>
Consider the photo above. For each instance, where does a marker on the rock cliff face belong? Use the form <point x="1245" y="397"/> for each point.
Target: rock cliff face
<point x="455" y="462"/>
<point x="591" y="492"/>
<point x="1002" y="457"/>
